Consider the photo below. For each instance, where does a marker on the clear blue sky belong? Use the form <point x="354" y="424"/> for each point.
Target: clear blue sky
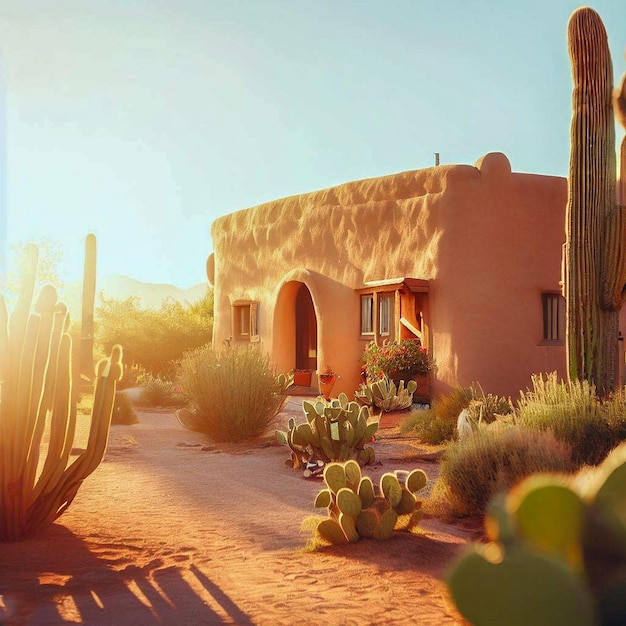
<point x="143" y="120"/>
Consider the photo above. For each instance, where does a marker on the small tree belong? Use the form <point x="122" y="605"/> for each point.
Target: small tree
<point x="153" y="338"/>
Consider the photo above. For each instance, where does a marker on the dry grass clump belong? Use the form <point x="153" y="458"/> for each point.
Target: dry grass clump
<point x="232" y="395"/>
<point x="573" y="412"/>
<point x="491" y="461"/>
<point x="488" y="408"/>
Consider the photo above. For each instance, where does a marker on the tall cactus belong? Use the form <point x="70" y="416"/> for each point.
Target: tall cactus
<point x="620" y="113"/>
<point x="36" y="392"/>
<point x="595" y="250"/>
<point x="89" y="296"/>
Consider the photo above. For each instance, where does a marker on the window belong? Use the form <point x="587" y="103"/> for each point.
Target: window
<point x="367" y="314"/>
<point x="244" y="318"/>
<point x="385" y="315"/>
<point x="393" y="308"/>
<point x="553" y="317"/>
<point x="377" y="315"/>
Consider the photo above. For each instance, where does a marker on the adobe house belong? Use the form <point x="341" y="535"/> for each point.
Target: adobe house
<point x="468" y="258"/>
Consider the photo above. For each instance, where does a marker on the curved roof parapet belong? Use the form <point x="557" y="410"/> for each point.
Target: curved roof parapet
<point x="494" y="164"/>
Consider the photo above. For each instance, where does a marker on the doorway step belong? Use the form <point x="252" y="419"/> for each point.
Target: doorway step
<point x="297" y="390"/>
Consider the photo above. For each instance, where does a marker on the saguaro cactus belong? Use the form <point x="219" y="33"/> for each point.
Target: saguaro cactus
<point x="89" y="296"/>
<point x="36" y="392"/>
<point x="595" y="250"/>
<point x="620" y="113"/>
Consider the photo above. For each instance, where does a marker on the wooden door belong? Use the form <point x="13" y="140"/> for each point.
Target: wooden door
<point x="306" y="330"/>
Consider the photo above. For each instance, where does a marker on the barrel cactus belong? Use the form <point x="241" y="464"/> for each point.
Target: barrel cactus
<point x="595" y="248"/>
<point x="39" y="478"/>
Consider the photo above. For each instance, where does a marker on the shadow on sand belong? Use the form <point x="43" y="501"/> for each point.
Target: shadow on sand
<point x="54" y="578"/>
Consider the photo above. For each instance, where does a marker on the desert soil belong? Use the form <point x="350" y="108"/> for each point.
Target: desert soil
<point x="174" y="529"/>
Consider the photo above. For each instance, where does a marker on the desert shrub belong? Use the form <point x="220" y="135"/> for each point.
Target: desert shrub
<point x="232" y="395"/>
<point x="491" y="461"/>
<point x="123" y="410"/>
<point x="572" y="411"/>
<point x="486" y="409"/>
<point x="438" y="424"/>
<point x="156" y="391"/>
<point x="427" y="426"/>
<point x="154" y="338"/>
<point x="131" y="377"/>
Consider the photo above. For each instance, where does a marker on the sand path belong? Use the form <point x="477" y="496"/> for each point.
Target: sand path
<point x="172" y="529"/>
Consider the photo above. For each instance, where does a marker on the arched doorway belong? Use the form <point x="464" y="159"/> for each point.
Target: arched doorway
<point x="295" y="331"/>
<point x="306" y="330"/>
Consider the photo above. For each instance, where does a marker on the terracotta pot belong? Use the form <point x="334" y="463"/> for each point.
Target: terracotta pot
<point x="327" y="382"/>
<point x="302" y="379"/>
<point x="422" y="393"/>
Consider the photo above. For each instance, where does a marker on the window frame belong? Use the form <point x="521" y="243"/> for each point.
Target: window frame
<point x="398" y="290"/>
<point x="244" y="320"/>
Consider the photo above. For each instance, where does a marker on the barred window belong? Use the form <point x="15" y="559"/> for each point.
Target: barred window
<point x="553" y="317"/>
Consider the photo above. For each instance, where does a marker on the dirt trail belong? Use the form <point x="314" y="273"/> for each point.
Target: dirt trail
<point x="172" y="529"/>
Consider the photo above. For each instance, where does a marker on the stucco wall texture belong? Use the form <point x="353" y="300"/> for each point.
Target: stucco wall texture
<point x="488" y="241"/>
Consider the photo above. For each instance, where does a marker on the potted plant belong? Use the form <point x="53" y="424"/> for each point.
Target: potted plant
<point x="400" y="360"/>
<point x="302" y="378"/>
<point x="327" y="378"/>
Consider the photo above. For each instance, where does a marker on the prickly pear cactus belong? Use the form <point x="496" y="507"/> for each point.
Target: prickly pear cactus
<point x="36" y="383"/>
<point x="357" y="508"/>
<point x="557" y="553"/>
<point x="335" y="430"/>
<point x="384" y="394"/>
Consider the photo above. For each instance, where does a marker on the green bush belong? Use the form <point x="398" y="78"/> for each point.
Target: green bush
<point x="572" y="411"/>
<point x="232" y="395"/>
<point x="158" y="392"/>
<point x="123" y="410"/>
<point x="491" y="461"/>
<point x="154" y="338"/>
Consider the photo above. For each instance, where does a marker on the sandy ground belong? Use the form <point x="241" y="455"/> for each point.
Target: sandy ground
<point x="172" y="529"/>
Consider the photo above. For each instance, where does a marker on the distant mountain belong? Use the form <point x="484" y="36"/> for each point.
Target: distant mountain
<point x="121" y="287"/>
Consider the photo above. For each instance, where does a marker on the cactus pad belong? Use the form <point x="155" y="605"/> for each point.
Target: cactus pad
<point x="391" y="489"/>
<point x="323" y="499"/>
<point x="330" y="530"/>
<point x="348" y="502"/>
<point x="416" y="480"/>
<point x="518" y="588"/>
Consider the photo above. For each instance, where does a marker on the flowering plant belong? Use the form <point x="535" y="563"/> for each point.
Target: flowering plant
<point x="396" y="359"/>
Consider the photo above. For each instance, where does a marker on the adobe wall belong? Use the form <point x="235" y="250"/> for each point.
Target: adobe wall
<point x="488" y="240"/>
